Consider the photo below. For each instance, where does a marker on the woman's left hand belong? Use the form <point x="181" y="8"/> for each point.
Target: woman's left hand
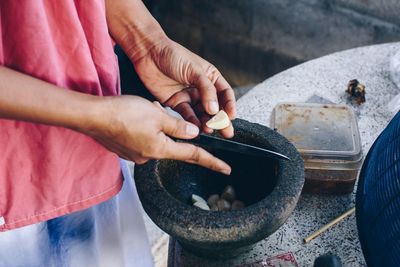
<point x="187" y="83"/>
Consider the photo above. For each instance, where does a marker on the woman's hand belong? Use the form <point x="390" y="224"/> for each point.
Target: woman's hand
<point x="187" y="83"/>
<point x="174" y="75"/>
<point x="139" y="130"/>
<point x="130" y="126"/>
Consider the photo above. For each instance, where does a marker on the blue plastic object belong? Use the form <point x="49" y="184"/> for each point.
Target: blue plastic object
<point x="378" y="199"/>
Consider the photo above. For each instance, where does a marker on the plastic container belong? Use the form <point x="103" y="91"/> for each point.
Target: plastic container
<point x="328" y="139"/>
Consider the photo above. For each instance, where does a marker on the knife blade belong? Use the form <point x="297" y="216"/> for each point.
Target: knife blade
<point x="233" y="146"/>
<point x="225" y="144"/>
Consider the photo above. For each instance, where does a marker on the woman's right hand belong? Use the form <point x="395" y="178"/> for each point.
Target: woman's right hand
<point x="130" y="126"/>
<point x="138" y="130"/>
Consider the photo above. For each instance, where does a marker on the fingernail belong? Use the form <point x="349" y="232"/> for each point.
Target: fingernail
<point x="213" y="106"/>
<point x="226" y="171"/>
<point x="192" y="130"/>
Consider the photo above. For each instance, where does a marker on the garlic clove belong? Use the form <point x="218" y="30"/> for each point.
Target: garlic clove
<point x="201" y="205"/>
<point x="212" y="200"/>
<point x="223" y="205"/>
<point x="196" y="198"/>
<point x="219" y="121"/>
<point x="214" y="207"/>
<point x="229" y="193"/>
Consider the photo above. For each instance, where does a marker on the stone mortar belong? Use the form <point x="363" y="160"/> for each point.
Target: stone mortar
<point x="269" y="188"/>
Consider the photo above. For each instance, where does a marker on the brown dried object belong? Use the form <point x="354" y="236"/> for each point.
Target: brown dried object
<point x="356" y="90"/>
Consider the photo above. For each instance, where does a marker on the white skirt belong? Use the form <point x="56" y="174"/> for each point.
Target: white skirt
<point x="111" y="234"/>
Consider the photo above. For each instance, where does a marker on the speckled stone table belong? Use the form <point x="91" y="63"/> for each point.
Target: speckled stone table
<point x="325" y="77"/>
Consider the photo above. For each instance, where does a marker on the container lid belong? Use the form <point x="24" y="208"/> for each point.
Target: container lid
<point x="321" y="132"/>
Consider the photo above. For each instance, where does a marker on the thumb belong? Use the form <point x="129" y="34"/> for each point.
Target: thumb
<point x="178" y="128"/>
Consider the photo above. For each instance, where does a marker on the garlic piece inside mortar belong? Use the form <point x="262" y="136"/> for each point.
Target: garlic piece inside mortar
<point x="196" y="198"/>
<point x="201" y="205"/>
<point x="212" y="200"/>
<point x="229" y="193"/>
<point x="219" y="121"/>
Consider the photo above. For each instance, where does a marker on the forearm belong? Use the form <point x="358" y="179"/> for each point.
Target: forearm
<point x="23" y="97"/>
<point x="133" y="27"/>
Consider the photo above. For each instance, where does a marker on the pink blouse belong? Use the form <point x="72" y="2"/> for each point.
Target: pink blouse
<point x="48" y="171"/>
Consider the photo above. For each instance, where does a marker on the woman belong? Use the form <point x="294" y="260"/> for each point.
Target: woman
<point x="63" y="127"/>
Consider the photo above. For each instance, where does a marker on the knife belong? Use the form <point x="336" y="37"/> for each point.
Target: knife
<point x="229" y="145"/>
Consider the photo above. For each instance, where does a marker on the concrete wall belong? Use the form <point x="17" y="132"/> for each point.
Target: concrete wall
<point x="249" y="40"/>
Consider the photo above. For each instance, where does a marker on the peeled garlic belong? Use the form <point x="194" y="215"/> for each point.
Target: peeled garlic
<point x="229" y="193"/>
<point x="201" y="205"/>
<point x="214" y="207"/>
<point x="219" y="121"/>
<point x="212" y="200"/>
<point x="223" y="205"/>
<point x="196" y="198"/>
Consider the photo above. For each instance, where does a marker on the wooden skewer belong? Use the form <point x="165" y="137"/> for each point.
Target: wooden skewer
<point x="329" y="225"/>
